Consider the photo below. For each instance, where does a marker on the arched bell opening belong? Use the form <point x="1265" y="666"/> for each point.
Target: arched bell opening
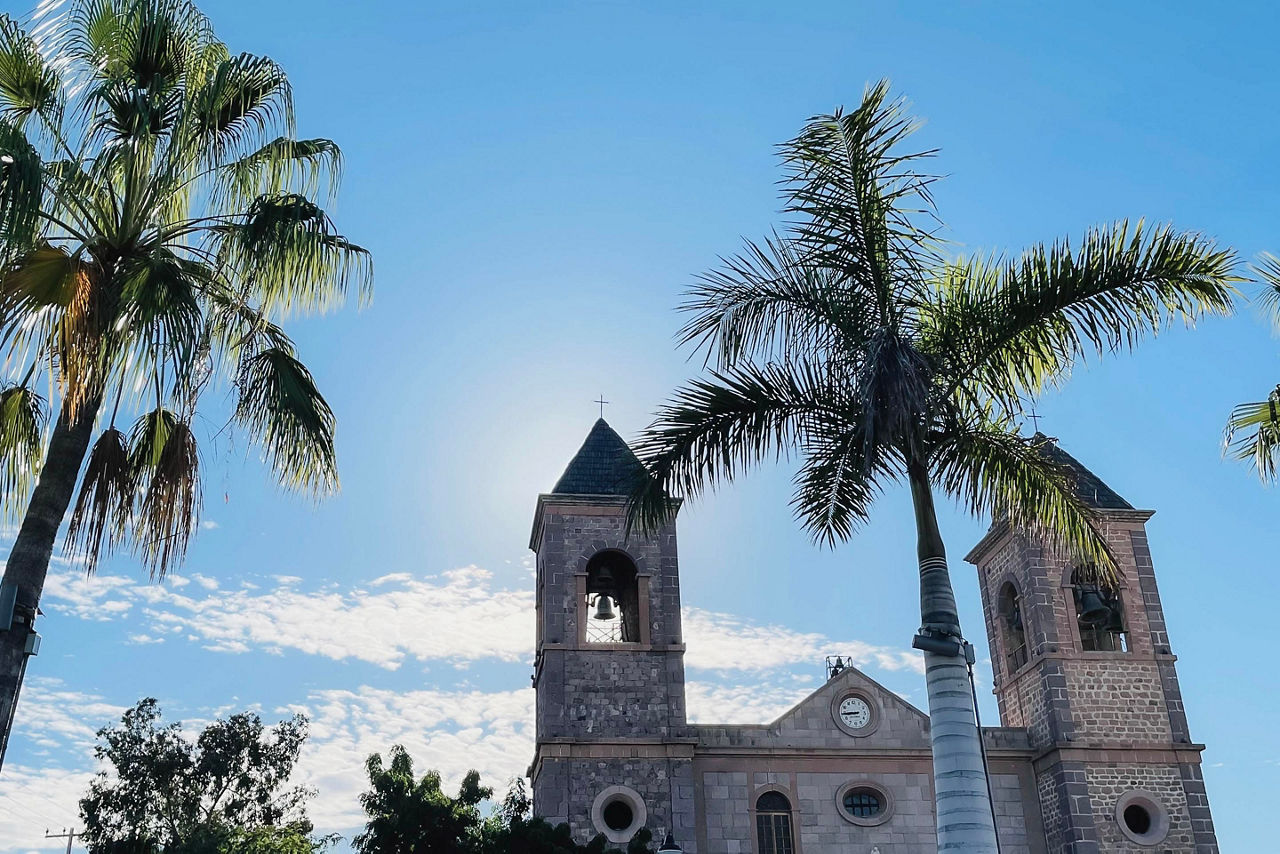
<point x="613" y="599"/>
<point x="1099" y="612"/>
<point x="1012" y="628"/>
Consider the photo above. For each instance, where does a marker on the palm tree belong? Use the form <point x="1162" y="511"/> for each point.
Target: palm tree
<point x="156" y="222"/>
<point x="851" y="343"/>
<point x="1253" y="431"/>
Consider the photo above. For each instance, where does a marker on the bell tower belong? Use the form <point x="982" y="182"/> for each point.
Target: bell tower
<point x="1088" y="670"/>
<point x="613" y="753"/>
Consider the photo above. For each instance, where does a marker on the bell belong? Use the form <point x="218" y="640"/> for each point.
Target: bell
<point x="1115" y="617"/>
<point x="1015" y="619"/>
<point x="1093" y="610"/>
<point x="604" y="608"/>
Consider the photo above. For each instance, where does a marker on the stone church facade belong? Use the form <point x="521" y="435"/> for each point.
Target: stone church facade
<point x="1094" y="756"/>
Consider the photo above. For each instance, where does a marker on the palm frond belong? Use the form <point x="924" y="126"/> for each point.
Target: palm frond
<point x="282" y="166"/>
<point x="859" y="201"/>
<point x="288" y="248"/>
<point x="768" y="301"/>
<point x="1253" y="435"/>
<point x="23" y="415"/>
<point x="104" y="506"/>
<point x="988" y="468"/>
<point x="158" y="303"/>
<point x="843" y="473"/>
<point x="29" y="85"/>
<point x="1268" y="270"/>
<point x="165" y="463"/>
<point x="246" y="102"/>
<point x="714" y="428"/>
<point x="149" y="43"/>
<point x="1013" y="328"/>
<point x="281" y="409"/>
<point x="21" y="192"/>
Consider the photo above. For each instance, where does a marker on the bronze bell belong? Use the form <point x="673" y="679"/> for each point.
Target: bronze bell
<point x="604" y="608"/>
<point x="1093" y="609"/>
<point x="1014" y="619"/>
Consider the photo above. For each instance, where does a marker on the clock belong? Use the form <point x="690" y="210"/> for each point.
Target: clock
<point x="854" y="712"/>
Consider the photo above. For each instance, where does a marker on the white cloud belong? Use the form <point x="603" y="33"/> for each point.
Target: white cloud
<point x="56" y="722"/>
<point x="449" y="731"/>
<point x="34" y="799"/>
<point x="428" y="618"/>
<point x="718" y="641"/>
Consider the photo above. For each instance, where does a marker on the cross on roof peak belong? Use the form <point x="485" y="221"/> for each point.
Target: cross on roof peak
<point x="603" y="403"/>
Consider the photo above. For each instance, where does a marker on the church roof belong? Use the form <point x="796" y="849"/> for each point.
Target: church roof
<point x="1088" y="485"/>
<point x="604" y="465"/>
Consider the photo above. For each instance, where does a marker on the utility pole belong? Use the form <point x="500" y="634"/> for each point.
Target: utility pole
<point x="69" y="834"/>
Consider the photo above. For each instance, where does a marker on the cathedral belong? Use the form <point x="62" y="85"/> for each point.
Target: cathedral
<point x="1093" y="755"/>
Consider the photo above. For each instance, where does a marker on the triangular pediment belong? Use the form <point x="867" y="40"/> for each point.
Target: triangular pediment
<point x="892" y="721"/>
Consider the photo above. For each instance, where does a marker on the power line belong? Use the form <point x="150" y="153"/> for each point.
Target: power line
<point x="69" y="834"/>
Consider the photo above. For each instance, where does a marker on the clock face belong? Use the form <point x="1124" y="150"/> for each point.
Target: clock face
<point x="854" y="712"/>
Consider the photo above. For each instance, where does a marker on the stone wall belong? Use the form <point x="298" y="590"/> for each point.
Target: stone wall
<point x="1115" y="704"/>
<point x="729" y="799"/>
<point x="1108" y="782"/>
<point x="572" y="785"/>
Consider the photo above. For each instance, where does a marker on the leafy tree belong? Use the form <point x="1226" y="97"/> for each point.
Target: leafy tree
<point x="225" y="792"/>
<point x="407" y="814"/>
<point x="157" y="220"/>
<point x="410" y="815"/>
<point x="850" y="341"/>
<point x="1253" y="431"/>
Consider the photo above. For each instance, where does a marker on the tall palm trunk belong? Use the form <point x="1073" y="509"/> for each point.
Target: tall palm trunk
<point x="963" y="801"/>
<point x="28" y="562"/>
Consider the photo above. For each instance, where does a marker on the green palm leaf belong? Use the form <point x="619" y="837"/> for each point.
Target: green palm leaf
<point x="28" y="84"/>
<point x="164" y="462"/>
<point x="288" y="248"/>
<point x="104" y="506"/>
<point x="283" y="411"/>
<point x="23" y="415"/>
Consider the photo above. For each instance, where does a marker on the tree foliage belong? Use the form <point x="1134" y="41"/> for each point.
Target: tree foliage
<point x="854" y="342"/>
<point x="158" y="218"/>
<point x="414" y="815"/>
<point x="224" y="792"/>
<point x="1253" y="430"/>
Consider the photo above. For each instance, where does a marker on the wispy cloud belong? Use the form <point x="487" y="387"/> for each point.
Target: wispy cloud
<point x="404" y="616"/>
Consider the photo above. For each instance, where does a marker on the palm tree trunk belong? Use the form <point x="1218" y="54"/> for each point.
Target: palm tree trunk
<point x="28" y="562"/>
<point x="965" y="825"/>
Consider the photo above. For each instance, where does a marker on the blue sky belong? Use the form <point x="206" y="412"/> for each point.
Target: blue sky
<point x="538" y="183"/>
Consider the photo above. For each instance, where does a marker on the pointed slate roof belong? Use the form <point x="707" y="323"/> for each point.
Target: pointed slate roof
<point x="604" y="465"/>
<point x="1088" y="485"/>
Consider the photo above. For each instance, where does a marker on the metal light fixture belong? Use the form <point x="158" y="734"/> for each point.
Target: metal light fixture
<point x="669" y="846"/>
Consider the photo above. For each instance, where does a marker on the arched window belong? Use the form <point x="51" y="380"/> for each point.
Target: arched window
<point x="773" y="823"/>
<point x="1099" y="613"/>
<point x="1012" y="629"/>
<point x="613" y="600"/>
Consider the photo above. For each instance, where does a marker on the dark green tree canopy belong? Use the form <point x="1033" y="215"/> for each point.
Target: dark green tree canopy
<point x="412" y="815"/>
<point x="224" y="792"/>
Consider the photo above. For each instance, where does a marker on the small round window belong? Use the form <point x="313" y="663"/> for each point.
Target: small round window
<point x="1142" y="817"/>
<point x="1137" y="819"/>
<point x="618" y="815"/>
<point x="618" y="812"/>
<point x="864" y="803"/>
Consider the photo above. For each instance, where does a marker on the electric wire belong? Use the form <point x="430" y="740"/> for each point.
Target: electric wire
<point x="982" y="745"/>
